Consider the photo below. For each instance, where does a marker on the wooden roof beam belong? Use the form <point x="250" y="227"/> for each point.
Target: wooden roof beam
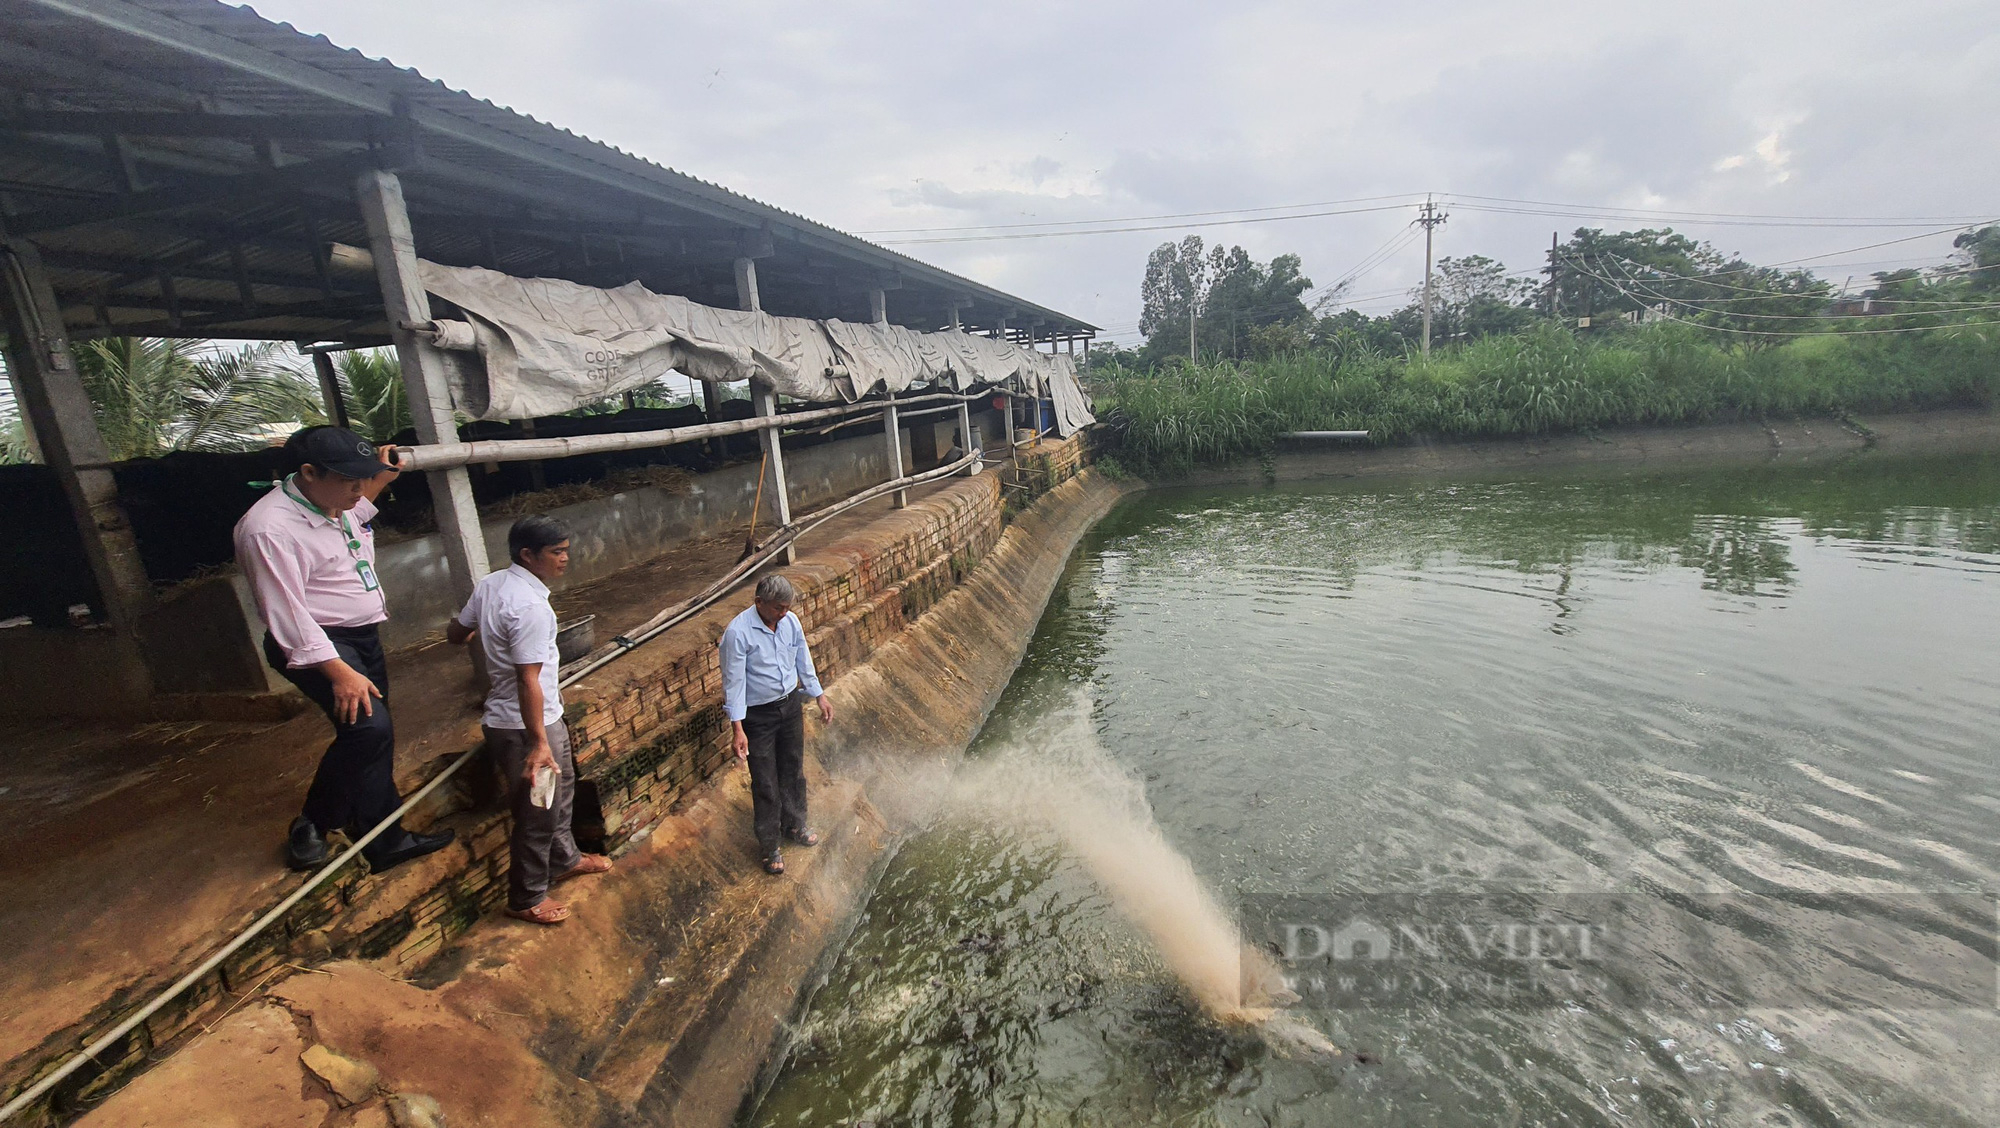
<point x="200" y="192"/>
<point x="379" y="129"/>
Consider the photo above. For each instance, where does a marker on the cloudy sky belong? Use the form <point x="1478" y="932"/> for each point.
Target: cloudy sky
<point x="909" y="122"/>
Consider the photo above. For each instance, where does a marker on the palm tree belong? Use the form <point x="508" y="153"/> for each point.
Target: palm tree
<point x="154" y="396"/>
<point x="371" y="380"/>
<point x="13" y="430"/>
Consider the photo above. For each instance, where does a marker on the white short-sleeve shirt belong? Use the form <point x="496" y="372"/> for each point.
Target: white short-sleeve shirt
<point x="517" y="627"/>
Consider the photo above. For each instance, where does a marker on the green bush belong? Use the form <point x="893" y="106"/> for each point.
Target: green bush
<point x="1541" y="381"/>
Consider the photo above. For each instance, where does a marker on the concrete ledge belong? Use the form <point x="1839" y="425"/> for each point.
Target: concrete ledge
<point x="1927" y="432"/>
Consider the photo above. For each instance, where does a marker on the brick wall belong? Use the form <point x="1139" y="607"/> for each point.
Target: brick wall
<point x="644" y="743"/>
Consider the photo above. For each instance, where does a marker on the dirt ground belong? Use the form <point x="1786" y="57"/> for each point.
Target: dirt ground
<point x="135" y="850"/>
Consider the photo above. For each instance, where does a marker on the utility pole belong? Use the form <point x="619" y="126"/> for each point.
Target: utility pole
<point x="1555" y="283"/>
<point x="1430" y="217"/>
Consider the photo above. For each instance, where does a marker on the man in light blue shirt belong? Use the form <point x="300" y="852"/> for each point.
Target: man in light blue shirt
<point x="765" y="665"/>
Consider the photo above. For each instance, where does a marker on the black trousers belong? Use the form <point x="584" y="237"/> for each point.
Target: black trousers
<point x="777" y="735"/>
<point x="355" y="787"/>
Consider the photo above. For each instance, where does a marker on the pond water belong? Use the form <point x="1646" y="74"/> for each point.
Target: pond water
<point x="1664" y="799"/>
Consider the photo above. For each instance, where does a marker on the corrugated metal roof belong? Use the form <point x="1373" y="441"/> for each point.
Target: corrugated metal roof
<point x="125" y="56"/>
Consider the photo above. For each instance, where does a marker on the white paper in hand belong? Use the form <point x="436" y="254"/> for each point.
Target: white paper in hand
<point x="542" y="792"/>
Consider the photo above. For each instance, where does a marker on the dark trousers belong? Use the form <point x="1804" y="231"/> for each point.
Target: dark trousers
<point x="777" y="735"/>
<point x="355" y="787"/>
<point x="543" y="846"/>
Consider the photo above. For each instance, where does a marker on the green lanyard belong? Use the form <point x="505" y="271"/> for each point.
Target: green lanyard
<point x="361" y="566"/>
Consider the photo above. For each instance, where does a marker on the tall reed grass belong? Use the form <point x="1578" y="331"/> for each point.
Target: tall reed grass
<point x="1541" y="381"/>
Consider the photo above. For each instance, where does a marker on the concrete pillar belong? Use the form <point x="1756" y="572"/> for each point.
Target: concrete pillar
<point x="746" y="285"/>
<point x="878" y="307"/>
<point x="966" y="437"/>
<point x="892" y="425"/>
<point x="380" y="195"/>
<point x="329" y="390"/>
<point x="55" y="408"/>
<point x="954" y="317"/>
<point x="765" y="403"/>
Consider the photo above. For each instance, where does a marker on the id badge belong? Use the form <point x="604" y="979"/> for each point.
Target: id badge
<point x="368" y="580"/>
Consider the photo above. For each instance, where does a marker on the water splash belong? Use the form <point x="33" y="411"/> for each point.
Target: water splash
<point x="1059" y="780"/>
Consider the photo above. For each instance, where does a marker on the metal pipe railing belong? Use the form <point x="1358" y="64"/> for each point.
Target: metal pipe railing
<point x="603" y="656"/>
<point x="443" y="456"/>
<point x="678" y="613"/>
<point x="40" y="1088"/>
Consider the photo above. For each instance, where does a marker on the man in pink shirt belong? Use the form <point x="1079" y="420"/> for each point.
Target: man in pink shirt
<point x="309" y="554"/>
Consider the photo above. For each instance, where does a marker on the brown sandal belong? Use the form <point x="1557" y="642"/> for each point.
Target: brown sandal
<point x="544" y="912"/>
<point x="586" y="865"/>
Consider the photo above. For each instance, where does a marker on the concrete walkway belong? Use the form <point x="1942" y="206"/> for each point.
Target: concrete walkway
<point x="134" y="851"/>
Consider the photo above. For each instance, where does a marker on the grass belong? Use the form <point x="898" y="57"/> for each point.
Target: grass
<point x="1541" y="381"/>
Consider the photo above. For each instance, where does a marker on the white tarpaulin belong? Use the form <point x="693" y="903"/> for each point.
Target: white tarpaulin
<point x="547" y="346"/>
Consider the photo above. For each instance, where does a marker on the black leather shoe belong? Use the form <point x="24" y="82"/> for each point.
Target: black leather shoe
<point x="307" y="848"/>
<point x="409" y="846"/>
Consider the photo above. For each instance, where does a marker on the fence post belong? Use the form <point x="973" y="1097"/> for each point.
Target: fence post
<point x="765" y="403"/>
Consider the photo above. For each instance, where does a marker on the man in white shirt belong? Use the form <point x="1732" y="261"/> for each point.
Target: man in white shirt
<point x="510" y="613"/>
<point x="309" y="554"/>
<point x="765" y="664"/>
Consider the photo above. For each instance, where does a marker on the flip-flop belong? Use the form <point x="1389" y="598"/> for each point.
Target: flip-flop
<point x="588" y="864"/>
<point x="545" y="912"/>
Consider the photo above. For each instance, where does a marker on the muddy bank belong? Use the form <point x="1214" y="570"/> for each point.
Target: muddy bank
<point x="664" y="994"/>
<point x="1925" y="432"/>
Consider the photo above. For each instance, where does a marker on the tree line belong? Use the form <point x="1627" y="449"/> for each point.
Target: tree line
<point x="1211" y="304"/>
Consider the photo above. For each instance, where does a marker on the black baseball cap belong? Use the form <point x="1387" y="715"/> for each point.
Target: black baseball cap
<point x="335" y="449"/>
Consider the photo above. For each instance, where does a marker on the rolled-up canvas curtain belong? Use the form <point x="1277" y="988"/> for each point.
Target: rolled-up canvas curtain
<point x="540" y="346"/>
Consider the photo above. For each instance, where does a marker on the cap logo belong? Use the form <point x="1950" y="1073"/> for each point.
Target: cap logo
<point x="363" y="448"/>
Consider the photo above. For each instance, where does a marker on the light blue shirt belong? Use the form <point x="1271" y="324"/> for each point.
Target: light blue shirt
<point x="760" y="665"/>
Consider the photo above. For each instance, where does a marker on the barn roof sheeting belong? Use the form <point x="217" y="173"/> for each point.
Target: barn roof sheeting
<point x="184" y="165"/>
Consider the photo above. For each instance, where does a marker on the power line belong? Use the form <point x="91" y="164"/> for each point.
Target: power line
<point x="1120" y="230"/>
<point x="1133" y="218"/>
<point x="1643" y="300"/>
<point x="1727" y="219"/>
<point x="1375" y="258"/>
<point x="1459" y="196"/>
<point x="1470" y="201"/>
<point x="1668" y="276"/>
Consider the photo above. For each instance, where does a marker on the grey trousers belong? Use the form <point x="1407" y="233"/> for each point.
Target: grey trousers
<point x="543" y="846"/>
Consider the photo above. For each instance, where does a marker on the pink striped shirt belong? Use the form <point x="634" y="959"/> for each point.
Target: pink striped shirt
<point x="304" y="575"/>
